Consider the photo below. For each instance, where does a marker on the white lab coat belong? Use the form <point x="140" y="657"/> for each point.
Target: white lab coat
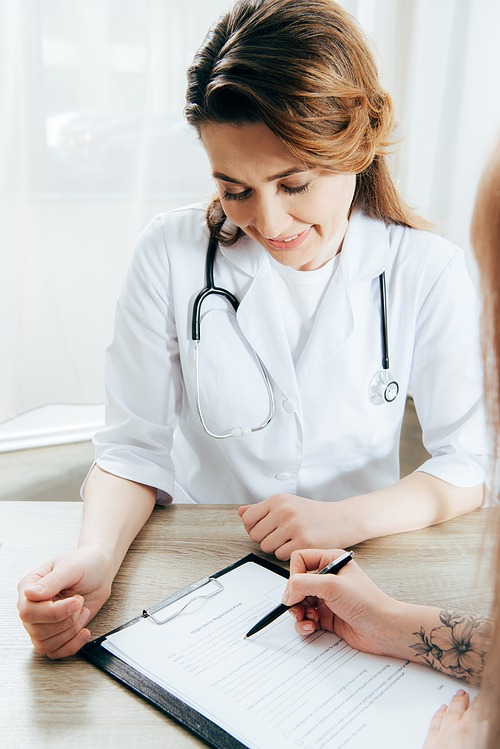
<point x="328" y="441"/>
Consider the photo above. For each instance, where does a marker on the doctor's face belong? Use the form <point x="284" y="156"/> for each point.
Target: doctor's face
<point x="296" y="211"/>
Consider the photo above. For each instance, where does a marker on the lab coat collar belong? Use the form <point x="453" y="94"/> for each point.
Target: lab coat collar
<point x="246" y="254"/>
<point x="366" y="249"/>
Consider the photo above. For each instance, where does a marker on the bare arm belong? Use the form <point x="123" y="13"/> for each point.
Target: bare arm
<point x="414" y="502"/>
<point x="284" y="523"/>
<point x="358" y="611"/>
<point x="455" y="645"/>
<point x="114" y="512"/>
<point x="59" y="598"/>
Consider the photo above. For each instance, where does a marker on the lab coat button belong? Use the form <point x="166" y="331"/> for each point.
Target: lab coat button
<point x="282" y="476"/>
<point x="289" y="407"/>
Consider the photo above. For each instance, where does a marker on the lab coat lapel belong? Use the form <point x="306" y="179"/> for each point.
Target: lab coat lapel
<point x="333" y="325"/>
<point x="366" y="248"/>
<point x="365" y="253"/>
<point x="260" y="321"/>
<point x="364" y="256"/>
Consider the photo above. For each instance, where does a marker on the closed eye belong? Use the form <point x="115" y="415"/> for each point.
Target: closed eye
<point x="245" y="193"/>
<point x="296" y="190"/>
<point x="236" y="195"/>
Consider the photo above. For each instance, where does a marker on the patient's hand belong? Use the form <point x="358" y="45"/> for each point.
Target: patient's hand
<point x="59" y="598"/>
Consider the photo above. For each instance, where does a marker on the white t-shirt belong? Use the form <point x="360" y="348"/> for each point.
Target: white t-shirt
<point x="299" y="295"/>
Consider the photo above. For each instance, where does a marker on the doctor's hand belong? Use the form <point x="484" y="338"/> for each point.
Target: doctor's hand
<point x="58" y="599"/>
<point x="285" y="523"/>
<point x="348" y="603"/>
<point x="460" y="725"/>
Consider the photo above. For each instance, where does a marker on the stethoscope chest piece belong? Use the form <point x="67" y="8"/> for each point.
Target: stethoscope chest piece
<point x="383" y="389"/>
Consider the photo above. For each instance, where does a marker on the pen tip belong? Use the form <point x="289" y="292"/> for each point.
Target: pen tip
<point x="246" y="637"/>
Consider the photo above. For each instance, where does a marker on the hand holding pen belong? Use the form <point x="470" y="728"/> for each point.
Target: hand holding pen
<point x="349" y="604"/>
<point x="331" y="568"/>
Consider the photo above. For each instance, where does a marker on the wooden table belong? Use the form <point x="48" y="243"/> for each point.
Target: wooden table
<point x="69" y="703"/>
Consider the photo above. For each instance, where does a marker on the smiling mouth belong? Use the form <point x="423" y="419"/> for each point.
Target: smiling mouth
<point x="290" y="243"/>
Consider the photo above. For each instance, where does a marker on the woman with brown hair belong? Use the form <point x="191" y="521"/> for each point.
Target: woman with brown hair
<point x="462" y="645"/>
<point x="281" y="386"/>
<point x="284" y="84"/>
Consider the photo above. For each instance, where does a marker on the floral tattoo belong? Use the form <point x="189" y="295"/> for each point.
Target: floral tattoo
<point x="458" y="647"/>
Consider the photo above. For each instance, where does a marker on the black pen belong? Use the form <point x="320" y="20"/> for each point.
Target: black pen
<point x="330" y="569"/>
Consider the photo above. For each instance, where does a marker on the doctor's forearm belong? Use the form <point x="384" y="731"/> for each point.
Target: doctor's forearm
<point x="285" y="523"/>
<point x="115" y="510"/>
<point x="414" y="502"/>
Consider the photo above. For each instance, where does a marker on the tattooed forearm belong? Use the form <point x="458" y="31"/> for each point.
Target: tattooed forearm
<point x="458" y="647"/>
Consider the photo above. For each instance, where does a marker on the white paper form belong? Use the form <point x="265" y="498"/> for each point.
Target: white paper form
<point x="279" y="690"/>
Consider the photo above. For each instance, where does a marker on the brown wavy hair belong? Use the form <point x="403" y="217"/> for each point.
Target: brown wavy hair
<point x="485" y="235"/>
<point x="306" y="70"/>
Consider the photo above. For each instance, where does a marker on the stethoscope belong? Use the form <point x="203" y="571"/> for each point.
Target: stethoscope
<point x="382" y="389"/>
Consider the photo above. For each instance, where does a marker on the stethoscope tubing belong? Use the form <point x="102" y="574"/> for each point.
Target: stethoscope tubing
<point x="211" y="288"/>
<point x="383" y="321"/>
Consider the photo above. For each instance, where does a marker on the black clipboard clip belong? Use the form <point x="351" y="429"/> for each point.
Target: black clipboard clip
<point x="180" y="594"/>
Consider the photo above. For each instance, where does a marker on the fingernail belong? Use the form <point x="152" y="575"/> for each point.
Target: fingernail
<point x="84" y="637"/>
<point x="84" y="616"/>
<point x="37" y="588"/>
<point x="308" y="627"/>
<point x="461" y="692"/>
<point x="285" y="598"/>
<point x="73" y="607"/>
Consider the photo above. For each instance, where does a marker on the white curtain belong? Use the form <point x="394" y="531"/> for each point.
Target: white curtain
<point x="440" y="62"/>
<point x="93" y="144"/>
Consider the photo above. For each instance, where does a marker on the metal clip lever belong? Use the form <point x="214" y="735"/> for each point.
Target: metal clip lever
<point x="181" y="594"/>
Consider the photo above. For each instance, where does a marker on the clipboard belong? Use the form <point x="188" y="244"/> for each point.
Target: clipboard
<point x="201" y="726"/>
